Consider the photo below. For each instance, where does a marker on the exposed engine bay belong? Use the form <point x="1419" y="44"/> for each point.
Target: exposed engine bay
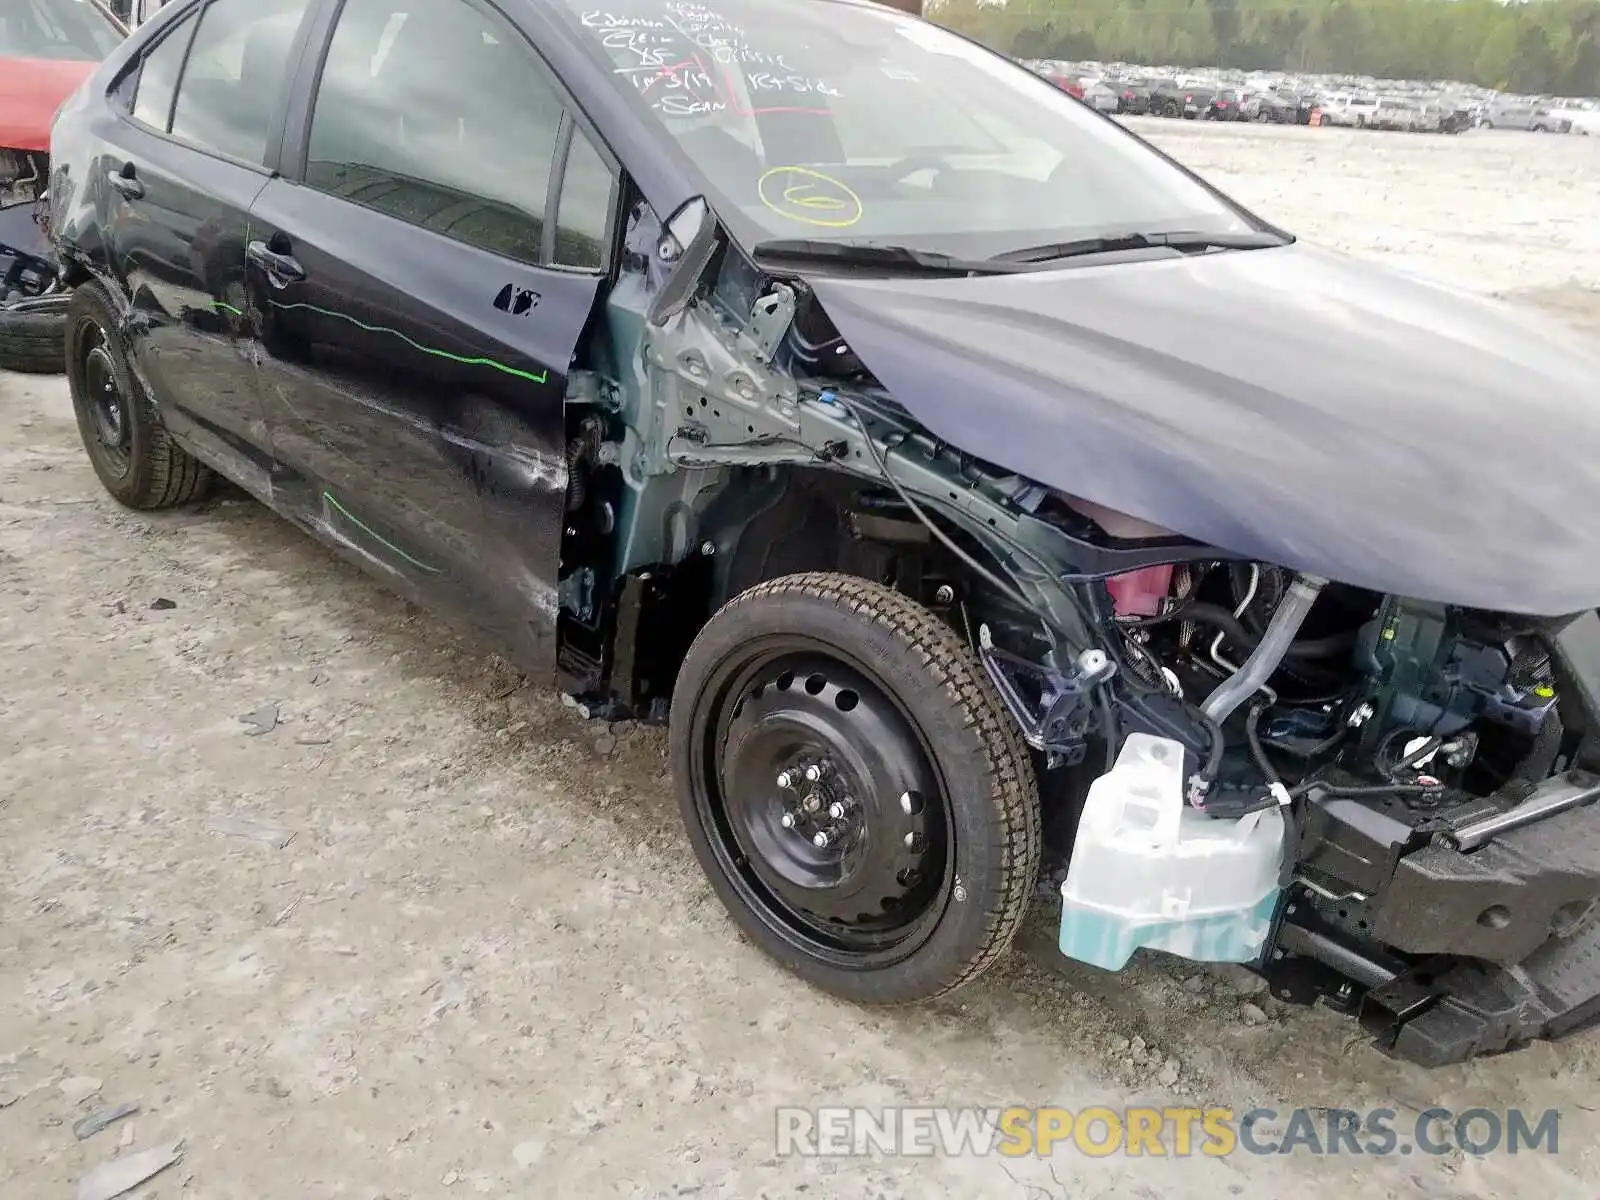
<point x="1433" y="766"/>
<point x="1419" y="756"/>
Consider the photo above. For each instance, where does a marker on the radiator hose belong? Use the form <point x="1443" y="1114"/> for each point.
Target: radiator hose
<point x="1269" y="654"/>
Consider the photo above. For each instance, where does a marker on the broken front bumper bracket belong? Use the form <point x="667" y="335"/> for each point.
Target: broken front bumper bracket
<point x="1474" y="1008"/>
<point x="1477" y="949"/>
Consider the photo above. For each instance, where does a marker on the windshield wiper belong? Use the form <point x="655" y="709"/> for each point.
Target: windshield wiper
<point x="873" y="254"/>
<point x="1181" y="239"/>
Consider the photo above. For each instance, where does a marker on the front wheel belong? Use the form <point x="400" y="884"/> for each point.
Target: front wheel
<point x="854" y="789"/>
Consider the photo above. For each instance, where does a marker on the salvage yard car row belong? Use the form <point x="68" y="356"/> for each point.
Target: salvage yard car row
<point x="1130" y="90"/>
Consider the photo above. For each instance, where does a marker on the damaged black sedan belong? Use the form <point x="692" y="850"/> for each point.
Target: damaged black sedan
<point x="816" y="381"/>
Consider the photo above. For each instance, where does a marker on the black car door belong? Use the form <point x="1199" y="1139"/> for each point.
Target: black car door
<point x="419" y="312"/>
<point x="193" y="140"/>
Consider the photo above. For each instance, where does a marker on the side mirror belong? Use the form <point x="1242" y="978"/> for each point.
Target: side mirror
<point x="688" y="242"/>
<point x="682" y="228"/>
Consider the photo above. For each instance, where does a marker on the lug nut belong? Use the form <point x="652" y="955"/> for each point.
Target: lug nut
<point x="837" y="810"/>
<point x="786" y="779"/>
<point x="821" y="839"/>
<point x="814" y="773"/>
<point x="787" y="820"/>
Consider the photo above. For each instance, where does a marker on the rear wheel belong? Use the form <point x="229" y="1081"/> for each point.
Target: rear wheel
<point x="129" y="448"/>
<point x="854" y="789"/>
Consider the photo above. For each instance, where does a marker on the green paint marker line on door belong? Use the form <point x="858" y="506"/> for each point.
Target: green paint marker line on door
<point x="375" y="535"/>
<point x="530" y="376"/>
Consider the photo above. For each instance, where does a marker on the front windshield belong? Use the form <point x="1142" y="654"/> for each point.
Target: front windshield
<point x="69" y="30"/>
<point x="819" y="120"/>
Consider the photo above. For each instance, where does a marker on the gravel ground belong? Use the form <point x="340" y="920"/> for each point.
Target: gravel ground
<point x="485" y="962"/>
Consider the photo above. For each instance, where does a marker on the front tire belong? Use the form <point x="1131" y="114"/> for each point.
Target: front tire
<point x="135" y="458"/>
<point x="854" y="788"/>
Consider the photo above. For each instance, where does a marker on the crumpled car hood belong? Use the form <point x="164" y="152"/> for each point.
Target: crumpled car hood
<point x="1288" y="404"/>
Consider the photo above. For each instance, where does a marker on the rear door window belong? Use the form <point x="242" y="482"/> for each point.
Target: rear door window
<point x="158" y="77"/>
<point x="235" y="75"/>
<point x="438" y="115"/>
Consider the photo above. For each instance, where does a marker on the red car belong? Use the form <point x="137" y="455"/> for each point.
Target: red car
<point x="47" y="48"/>
<point x="1069" y="84"/>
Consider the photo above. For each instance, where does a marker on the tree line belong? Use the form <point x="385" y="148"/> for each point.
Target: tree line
<point x="1538" y="47"/>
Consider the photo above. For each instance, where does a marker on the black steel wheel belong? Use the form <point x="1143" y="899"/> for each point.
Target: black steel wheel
<point x="103" y="398"/>
<point x="854" y="789"/>
<point x="129" y="448"/>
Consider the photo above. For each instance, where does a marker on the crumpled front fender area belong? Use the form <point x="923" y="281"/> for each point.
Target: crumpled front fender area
<point x="75" y="225"/>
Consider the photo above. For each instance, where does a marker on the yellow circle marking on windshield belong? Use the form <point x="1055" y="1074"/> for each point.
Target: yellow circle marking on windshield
<point x="809" y="197"/>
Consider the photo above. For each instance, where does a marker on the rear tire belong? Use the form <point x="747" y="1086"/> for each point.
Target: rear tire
<point x="132" y="453"/>
<point x="33" y="335"/>
<point x="924" y="880"/>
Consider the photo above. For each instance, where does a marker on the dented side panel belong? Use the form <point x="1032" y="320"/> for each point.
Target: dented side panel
<point x="415" y="389"/>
